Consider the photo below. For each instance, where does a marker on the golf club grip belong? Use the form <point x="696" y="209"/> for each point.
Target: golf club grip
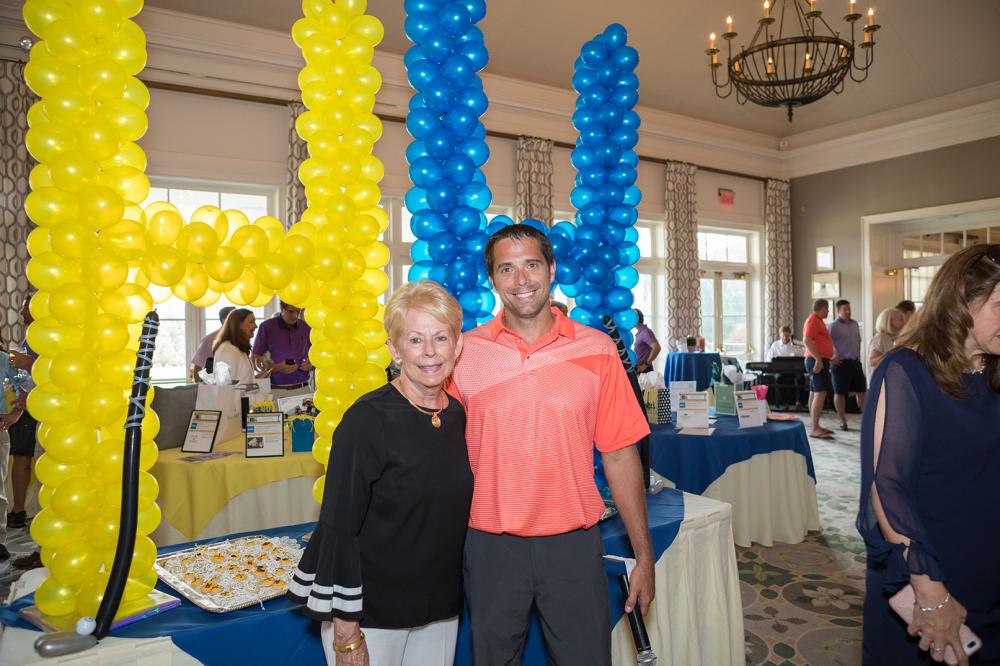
<point x="635" y="621"/>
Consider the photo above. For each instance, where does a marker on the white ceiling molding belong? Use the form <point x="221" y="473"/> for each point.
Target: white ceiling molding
<point x="201" y="52"/>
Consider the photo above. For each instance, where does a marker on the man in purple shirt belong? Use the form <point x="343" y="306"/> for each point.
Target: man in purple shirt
<point x="646" y="346"/>
<point x="284" y="339"/>
<point x="846" y="370"/>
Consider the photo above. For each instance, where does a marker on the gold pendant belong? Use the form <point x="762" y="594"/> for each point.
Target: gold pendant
<point x="435" y="421"/>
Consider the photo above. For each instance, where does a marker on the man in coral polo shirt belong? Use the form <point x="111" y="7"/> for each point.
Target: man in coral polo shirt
<point x="540" y="391"/>
<point x="819" y="356"/>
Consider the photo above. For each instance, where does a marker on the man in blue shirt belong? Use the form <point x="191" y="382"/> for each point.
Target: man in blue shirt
<point x="847" y="372"/>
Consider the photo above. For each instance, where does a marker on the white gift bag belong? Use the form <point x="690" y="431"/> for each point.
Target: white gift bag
<point x="226" y="399"/>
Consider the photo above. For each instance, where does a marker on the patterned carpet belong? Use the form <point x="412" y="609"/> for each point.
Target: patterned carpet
<point x="802" y="603"/>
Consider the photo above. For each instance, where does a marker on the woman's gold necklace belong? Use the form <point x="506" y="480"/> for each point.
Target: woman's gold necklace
<point x="435" y="419"/>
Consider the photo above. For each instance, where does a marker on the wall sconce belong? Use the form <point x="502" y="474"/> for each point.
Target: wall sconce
<point x="891" y="272"/>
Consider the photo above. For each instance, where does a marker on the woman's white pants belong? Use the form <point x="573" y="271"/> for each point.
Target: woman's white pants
<point x="430" y="645"/>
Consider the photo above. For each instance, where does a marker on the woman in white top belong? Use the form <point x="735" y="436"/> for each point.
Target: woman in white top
<point x="232" y="345"/>
<point x="888" y="325"/>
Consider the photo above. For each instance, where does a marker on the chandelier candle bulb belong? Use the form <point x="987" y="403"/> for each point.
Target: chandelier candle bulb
<point x="711" y="40"/>
<point x="812" y="5"/>
<point x="808" y="66"/>
<point x="871" y="16"/>
<point x="729" y="24"/>
<point x="767" y="9"/>
<point x="770" y="66"/>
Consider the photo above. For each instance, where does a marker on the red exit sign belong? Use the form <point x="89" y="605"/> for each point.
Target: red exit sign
<point x="726" y="196"/>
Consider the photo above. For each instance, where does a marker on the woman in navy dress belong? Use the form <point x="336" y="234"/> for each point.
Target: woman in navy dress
<point x="930" y="460"/>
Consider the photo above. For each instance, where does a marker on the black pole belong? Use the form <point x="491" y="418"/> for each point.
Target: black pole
<point x="644" y="452"/>
<point x="130" y="478"/>
<point x="643" y="648"/>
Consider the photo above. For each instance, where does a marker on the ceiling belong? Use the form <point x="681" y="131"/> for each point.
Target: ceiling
<point x="926" y="49"/>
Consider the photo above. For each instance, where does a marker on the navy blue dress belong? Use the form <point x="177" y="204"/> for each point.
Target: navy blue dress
<point x="938" y="477"/>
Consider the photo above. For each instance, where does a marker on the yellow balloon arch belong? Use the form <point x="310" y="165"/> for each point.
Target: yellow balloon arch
<point x="100" y="261"/>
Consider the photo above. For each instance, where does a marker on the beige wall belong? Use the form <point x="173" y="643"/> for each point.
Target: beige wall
<point x="827" y="207"/>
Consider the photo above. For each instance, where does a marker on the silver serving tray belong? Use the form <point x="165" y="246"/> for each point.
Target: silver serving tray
<point x="242" y="593"/>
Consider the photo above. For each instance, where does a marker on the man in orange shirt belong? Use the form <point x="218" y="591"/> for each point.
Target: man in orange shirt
<point x="819" y="355"/>
<point x="540" y="391"/>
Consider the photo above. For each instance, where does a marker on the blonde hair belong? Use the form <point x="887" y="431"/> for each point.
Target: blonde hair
<point x="884" y="323"/>
<point x="427" y="296"/>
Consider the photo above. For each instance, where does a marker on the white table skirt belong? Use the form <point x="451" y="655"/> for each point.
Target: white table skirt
<point x="772" y="496"/>
<point x="277" y="504"/>
<point x="697" y="614"/>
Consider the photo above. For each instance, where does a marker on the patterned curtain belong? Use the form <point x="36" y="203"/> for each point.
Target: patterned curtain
<point x="295" y="191"/>
<point x="534" y="179"/>
<point x="15" y="165"/>
<point x="778" y="258"/>
<point x="683" y="285"/>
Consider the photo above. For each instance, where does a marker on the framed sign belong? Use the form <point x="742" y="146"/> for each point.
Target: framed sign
<point x="201" y="432"/>
<point x="265" y="435"/>
<point x="824" y="258"/>
<point x="826" y="285"/>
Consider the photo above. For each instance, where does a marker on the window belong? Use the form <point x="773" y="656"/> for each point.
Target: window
<point x="727" y="260"/>
<point x="917" y="280"/>
<point x="182" y="325"/>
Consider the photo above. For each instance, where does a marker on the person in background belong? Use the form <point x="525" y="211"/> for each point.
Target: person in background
<point x="888" y="325"/>
<point x="16" y="384"/>
<point x="784" y="346"/>
<point x="819" y="352"/>
<point x="232" y="345"/>
<point x="908" y="308"/>
<point x="282" y="345"/>
<point x="847" y="372"/>
<point x="205" y="348"/>
<point x="541" y="391"/>
<point x="383" y="569"/>
<point x="646" y="346"/>
<point x="930" y="472"/>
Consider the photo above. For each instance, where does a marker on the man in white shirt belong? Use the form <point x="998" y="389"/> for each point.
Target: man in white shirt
<point x="205" y="347"/>
<point x="785" y="346"/>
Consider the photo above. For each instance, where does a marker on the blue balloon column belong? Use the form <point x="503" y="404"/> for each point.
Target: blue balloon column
<point x="594" y="259"/>
<point x="449" y="193"/>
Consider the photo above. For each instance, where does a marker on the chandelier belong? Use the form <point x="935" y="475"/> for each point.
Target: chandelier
<point x="800" y="62"/>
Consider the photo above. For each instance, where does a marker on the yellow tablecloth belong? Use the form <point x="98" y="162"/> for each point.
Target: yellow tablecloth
<point x="192" y="493"/>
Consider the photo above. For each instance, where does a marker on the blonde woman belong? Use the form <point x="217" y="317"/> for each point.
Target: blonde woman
<point x="888" y="325"/>
<point x="383" y="569"/>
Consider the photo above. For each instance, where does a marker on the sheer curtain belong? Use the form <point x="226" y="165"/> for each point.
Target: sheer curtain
<point x="295" y="191"/>
<point x="534" y="179"/>
<point x="15" y="165"/>
<point x="778" y="259"/>
<point x="681" y="228"/>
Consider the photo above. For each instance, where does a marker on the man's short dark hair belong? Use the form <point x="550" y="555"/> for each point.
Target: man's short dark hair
<point x="906" y="306"/>
<point x="642" y="319"/>
<point x="224" y="312"/>
<point x="820" y="303"/>
<point x="842" y="302"/>
<point x="519" y="232"/>
<point x="786" y="329"/>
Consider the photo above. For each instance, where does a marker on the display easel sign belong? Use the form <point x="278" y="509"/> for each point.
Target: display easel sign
<point x="692" y="410"/>
<point x="748" y="413"/>
<point x="748" y="396"/>
<point x="676" y="388"/>
<point x="265" y="435"/>
<point x="201" y="432"/>
<point x="725" y="401"/>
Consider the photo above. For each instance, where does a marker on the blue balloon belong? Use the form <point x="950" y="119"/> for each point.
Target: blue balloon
<point x="462" y="275"/>
<point x="627" y="277"/>
<point x="497" y="223"/>
<point x="454" y="18"/>
<point x="475" y="53"/>
<point x="585" y="249"/>
<point x="594" y="133"/>
<point x="616" y="34"/>
<point x="413" y="54"/>
<point x="567" y="271"/>
<point x="440" y="144"/>
<point x="628" y="254"/>
<point x="415" y="151"/>
<point x="427" y="270"/>
<point x="417" y="102"/>
<point x="613" y="234"/>
<point x="419" y="251"/>
<point x="426" y="223"/>
<point x="607" y="73"/>
<point x="478" y="300"/>
<point x="477" y="195"/>
<point x="417" y="24"/>
<point x="594" y="52"/>
<point x="598" y="273"/>
<point x="474" y="99"/>
<point x="629" y="157"/>
<point x="583" y="118"/>
<point x="626" y="58"/>
<point x="590" y="233"/>
<point x="583" y="78"/>
<point x="479" y="176"/>
<point x="478" y="132"/>
<point x="477" y="149"/>
<point x="608" y="254"/>
<point x="560" y="246"/>
<point x="624" y="96"/>
<point x="607" y="152"/>
<point x="582" y="157"/>
<point x="415" y="199"/>
<point x="612" y="194"/>
<point x="625" y="137"/>
<point x="458" y="69"/>
<point x="426" y="171"/>
<point x="581" y="316"/>
<point x="593" y="213"/>
<point x="589" y="300"/>
<point x="623" y="215"/>
<point x="411" y="6"/>
<point x="631" y="119"/>
<point x="459" y="169"/>
<point x="442" y="248"/>
<point x="473" y="34"/>
<point x="631" y="234"/>
<point x="437" y="45"/>
<point x="626" y="318"/>
<point x="474" y="244"/>
<point x="438" y="96"/>
<point x="594" y="95"/>
<point x="610" y="115"/>
<point x="476" y="9"/>
<point x="442" y="196"/>
<point x="622" y="174"/>
<point x="421" y="73"/>
<point x="630" y="80"/>
<point x="633" y="196"/>
<point x="535" y="224"/>
<point x="463" y="220"/>
<point x="581" y="196"/>
<point x="618" y="298"/>
<point x="565" y="229"/>
<point x="461" y="121"/>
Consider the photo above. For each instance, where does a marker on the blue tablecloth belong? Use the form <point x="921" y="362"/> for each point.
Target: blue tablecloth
<point x="691" y="366"/>
<point x="277" y="633"/>
<point x="693" y="462"/>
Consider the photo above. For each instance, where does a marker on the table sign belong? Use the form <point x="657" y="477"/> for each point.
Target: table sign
<point x="748" y="413"/>
<point x="201" y="432"/>
<point x="725" y="399"/>
<point x="751" y="395"/>
<point x="265" y="435"/>
<point x="678" y="387"/>
<point x="692" y="410"/>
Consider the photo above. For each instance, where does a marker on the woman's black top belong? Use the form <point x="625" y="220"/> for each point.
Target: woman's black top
<point x="387" y="549"/>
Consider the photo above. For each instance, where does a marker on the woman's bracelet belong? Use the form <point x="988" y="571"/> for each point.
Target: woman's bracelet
<point x="931" y="609"/>
<point x="350" y="647"/>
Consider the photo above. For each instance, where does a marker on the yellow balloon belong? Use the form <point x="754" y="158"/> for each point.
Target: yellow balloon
<point x="353" y="7"/>
<point x="376" y="255"/>
<point x="129" y="9"/>
<point x="136" y="93"/>
<point x="300" y="290"/>
<point x="129" y="302"/>
<point x="129" y="154"/>
<point x="54" y="597"/>
<point x="352" y="264"/>
<point x="369" y="78"/>
<point x="197" y="241"/>
<point x="105" y="271"/>
<point x="46" y="140"/>
<point x="75" y="563"/>
<point x="193" y="284"/>
<point x="274" y="229"/>
<point x="67" y="105"/>
<point x="73" y="172"/>
<point x="48" y="270"/>
<point x="76" y="499"/>
<point x="372" y="169"/>
<point x="374" y="280"/>
<point x="213" y="217"/>
<point x="41" y="371"/>
<point x="106" y="335"/>
<point x="379" y="356"/>
<point x="235" y="219"/>
<point x="131" y="183"/>
<point x="208" y="299"/>
<point x="368" y="28"/>
<point x="164" y="265"/>
<point x="117" y="369"/>
<point x="127" y="238"/>
<point x="102" y="404"/>
<point x="275" y="271"/>
<point x="99" y="17"/>
<point x="250" y="241"/>
<point x="40" y="176"/>
<point x="73" y="371"/>
<point x="164" y="225"/>
<point x="39" y="241"/>
<point x="149" y="489"/>
<point x="136" y="588"/>
<point x="40" y="14"/>
<point x="45" y="497"/>
<point x="88" y="599"/>
<point x="358" y="48"/>
<point x="369" y="378"/>
<point x="128" y="118"/>
<point x="371" y="333"/>
<point x="103" y="79"/>
<point x="39" y="306"/>
<point x="317" y="489"/>
<point x="126" y="51"/>
<point x="49" y="206"/>
<point x="66" y="42"/>
<point x="263" y="298"/>
<point x="351" y="355"/>
<point x="298" y="250"/>
<point x="68" y="443"/>
<point x="142" y="557"/>
<point x="149" y="519"/>
<point x="226" y="265"/>
<point x="363" y="230"/>
<point x="101" y="206"/>
<point x="73" y="239"/>
<point x="50" y="472"/>
<point x="304" y="229"/>
<point x="49" y="337"/>
<point x="50" y="531"/>
<point x="246" y="290"/>
<point x="36" y="115"/>
<point x="361" y="304"/>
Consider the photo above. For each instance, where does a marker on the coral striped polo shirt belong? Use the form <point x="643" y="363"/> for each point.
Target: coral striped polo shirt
<point x="534" y="412"/>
